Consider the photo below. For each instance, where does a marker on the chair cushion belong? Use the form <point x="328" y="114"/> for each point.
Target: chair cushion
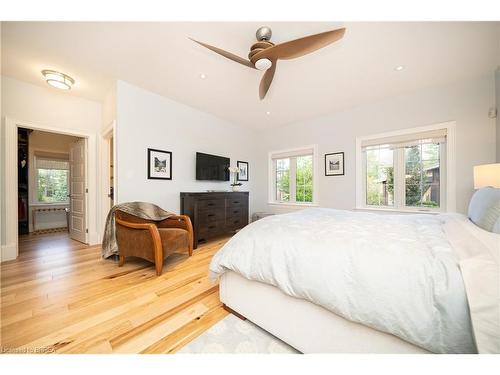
<point x="174" y="240"/>
<point x="484" y="209"/>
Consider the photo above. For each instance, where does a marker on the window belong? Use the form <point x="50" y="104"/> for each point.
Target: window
<point x="406" y="171"/>
<point x="292" y="176"/>
<point x="51" y="180"/>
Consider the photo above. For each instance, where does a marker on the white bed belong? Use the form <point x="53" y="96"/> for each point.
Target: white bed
<point x="335" y="289"/>
<point x="307" y="327"/>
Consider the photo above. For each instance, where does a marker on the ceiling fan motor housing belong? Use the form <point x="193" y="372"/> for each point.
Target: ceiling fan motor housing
<point x="258" y="47"/>
<point x="263" y="33"/>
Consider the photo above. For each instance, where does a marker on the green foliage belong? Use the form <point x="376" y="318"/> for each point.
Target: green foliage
<point x="304" y="179"/>
<point x="52" y="185"/>
<point x="413" y="172"/>
<point x="416" y="179"/>
<point x="379" y="178"/>
<point x="283" y="183"/>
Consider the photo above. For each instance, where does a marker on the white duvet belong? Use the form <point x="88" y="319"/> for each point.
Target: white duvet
<point x="395" y="273"/>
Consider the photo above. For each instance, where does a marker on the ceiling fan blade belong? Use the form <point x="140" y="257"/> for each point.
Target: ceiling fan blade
<point x="227" y="55"/>
<point x="300" y="47"/>
<point x="266" y="80"/>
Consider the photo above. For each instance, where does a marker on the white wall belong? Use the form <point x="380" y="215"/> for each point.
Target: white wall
<point x="466" y="103"/>
<point x="47" y="143"/>
<point x="109" y="107"/>
<point x="61" y="112"/>
<point x="146" y="120"/>
<point x="497" y="94"/>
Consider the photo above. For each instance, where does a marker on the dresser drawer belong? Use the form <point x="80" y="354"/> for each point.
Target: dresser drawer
<point x="235" y="222"/>
<point x="211" y="215"/>
<point x="210" y="230"/>
<point x="236" y="211"/>
<point x="208" y="204"/>
<point x="236" y="201"/>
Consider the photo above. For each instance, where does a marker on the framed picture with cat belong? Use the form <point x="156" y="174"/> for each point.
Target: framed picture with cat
<point x="159" y="164"/>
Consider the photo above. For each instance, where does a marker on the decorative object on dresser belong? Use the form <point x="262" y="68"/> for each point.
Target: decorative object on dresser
<point x="159" y="164"/>
<point x="214" y="214"/>
<point x="334" y="164"/>
<point x="243" y="170"/>
<point x="234" y="171"/>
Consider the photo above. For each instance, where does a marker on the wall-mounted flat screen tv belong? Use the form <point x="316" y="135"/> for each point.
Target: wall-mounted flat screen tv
<point x="212" y="167"/>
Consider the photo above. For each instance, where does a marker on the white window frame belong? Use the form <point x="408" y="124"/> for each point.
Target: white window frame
<point x="447" y="189"/>
<point x="35" y="192"/>
<point x="296" y="151"/>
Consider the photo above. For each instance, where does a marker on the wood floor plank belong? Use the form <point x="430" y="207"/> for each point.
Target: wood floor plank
<point x="61" y="295"/>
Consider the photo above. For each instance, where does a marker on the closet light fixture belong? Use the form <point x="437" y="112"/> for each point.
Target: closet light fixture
<point x="58" y="80"/>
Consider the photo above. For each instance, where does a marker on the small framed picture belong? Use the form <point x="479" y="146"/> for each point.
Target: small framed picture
<point x="334" y="164"/>
<point x="243" y="173"/>
<point x="159" y="164"/>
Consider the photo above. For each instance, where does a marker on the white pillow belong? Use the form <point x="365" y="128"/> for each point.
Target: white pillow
<point x="484" y="209"/>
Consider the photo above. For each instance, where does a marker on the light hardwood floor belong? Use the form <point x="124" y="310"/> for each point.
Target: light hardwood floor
<point x="60" y="296"/>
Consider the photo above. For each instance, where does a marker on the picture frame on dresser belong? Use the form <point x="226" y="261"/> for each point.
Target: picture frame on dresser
<point x="159" y="164"/>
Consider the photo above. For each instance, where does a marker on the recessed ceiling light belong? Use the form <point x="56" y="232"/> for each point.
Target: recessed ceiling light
<point x="203" y="76"/>
<point x="268" y="113"/>
<point x="399" y="68"/>
<point x="58" y="80"/>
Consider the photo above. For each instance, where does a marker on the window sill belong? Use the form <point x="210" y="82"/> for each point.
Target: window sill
<point x="48" y="204"/>
<point x="292" y="204"/>
<point x="398" y="210"/>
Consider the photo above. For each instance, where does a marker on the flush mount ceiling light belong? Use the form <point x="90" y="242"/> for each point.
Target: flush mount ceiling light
<point x="203" y="76"/>
<point x="58" y="80"/>
<point x="268" y="113"/>
<point x="399" y="68"/>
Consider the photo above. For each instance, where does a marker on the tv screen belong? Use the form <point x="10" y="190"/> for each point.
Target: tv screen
<point x="212" y="167"/>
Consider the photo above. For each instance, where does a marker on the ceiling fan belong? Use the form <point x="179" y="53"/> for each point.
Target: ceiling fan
<point x="264" y="54"/>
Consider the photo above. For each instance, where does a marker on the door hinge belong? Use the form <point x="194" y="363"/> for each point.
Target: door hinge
<point x="86" y="190"/>
<point x="86" y="230"/>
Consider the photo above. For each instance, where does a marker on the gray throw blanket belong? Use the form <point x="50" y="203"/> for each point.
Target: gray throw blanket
<point x="143" y="210"/>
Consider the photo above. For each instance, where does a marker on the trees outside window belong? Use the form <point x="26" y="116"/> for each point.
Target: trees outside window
<point x="293" y="176"/>
<point x="51" y="180"/>
<point x="403" y="175"/>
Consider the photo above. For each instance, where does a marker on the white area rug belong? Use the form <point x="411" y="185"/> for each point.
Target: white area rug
<point x="233" y="335"/>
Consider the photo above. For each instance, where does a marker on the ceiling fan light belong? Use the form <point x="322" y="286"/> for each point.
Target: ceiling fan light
<point x="58" y="80"/>
<point x="263" y="64"/>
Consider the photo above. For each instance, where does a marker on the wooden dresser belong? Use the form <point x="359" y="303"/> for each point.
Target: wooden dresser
<point x="214" y="214"/>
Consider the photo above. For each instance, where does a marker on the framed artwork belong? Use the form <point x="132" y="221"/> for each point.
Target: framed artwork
<point x="159" y="164"/>
<point x="243" y="170"/>
<point x="334" y="164"/>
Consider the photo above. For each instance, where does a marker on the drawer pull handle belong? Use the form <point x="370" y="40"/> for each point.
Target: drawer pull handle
<point x="210" y="204"/>
<point x="236" y="221"/>
<point x="211" y="227"/>
<point x="236" y="202"/>
<point x="210" y="215"/>
<point x="235" y="212"/>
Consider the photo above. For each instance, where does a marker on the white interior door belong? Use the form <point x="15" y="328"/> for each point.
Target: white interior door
<point x="78" y="220"/>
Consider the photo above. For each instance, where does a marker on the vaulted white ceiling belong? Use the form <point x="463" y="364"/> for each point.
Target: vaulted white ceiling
<point x="159" y="57"/>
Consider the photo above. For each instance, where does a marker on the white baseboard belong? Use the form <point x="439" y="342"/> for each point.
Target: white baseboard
<point x="9" y="252"/>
